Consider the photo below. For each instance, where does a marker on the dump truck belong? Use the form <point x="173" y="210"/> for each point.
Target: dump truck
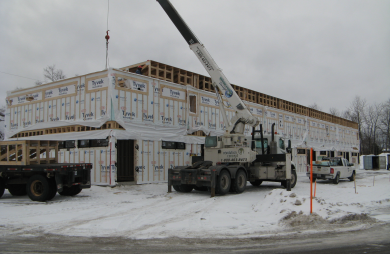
<point x="31" y="167"/>
<point x="231" y="159"/>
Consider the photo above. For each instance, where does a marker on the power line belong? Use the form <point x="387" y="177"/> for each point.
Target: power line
<point x="18" y="76"/>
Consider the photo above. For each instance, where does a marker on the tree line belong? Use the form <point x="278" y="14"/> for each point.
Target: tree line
<point x="373" y="121"/>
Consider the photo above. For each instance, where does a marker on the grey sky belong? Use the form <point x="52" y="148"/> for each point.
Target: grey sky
<point x="323" y="52"/>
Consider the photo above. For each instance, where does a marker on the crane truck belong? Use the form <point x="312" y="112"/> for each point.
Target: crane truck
<point x="230" y="160"/>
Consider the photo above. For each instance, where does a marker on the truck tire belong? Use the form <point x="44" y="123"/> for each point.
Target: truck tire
<point x="2" y="186"/>
<point x="38" y="188"/>
<point x="352" y="178"/>
<point x="238" y="184"/>
<point x="256" y="182"/>
<point x="17" y="189"/>
<point x="70" y="191"/>
<point x="293" y="178"/>
<point x="222" y="186"/>
<point x="337" y="178"/>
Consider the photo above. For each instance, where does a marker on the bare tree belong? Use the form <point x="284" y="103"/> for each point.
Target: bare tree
<point x="2" y="115"/>
<point x="372" y="121"/>
<point x="315" y="106"/>
<point x="38" y="83"/>
<point x="345" y="114"/>
<point x="52" y="74"/>
<point x="355" y="113"/>
<point x="334" y="112"/>
<point x="385" y="125"/>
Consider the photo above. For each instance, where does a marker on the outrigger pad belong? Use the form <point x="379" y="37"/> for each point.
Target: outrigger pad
<point x="203" y="164"/>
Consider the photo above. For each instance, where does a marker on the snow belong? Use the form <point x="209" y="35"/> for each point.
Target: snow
<point x="148" y="211"/>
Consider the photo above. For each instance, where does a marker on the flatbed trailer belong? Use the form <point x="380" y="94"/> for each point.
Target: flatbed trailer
<point x="30" y="167"/>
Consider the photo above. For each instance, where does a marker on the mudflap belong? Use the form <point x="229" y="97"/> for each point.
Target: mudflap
<point x="169" y="180"/>
<point x="59" y="182"/>
<point x="212" y="184"/>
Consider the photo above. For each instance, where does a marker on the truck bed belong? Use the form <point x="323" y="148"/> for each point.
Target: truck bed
<point x="46" y="167"/>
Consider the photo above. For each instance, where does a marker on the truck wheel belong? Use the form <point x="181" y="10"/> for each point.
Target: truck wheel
<point x="336" y="179"/>
<point x="239" y="183"/>
<point x="17" y="189"/>
<point x="38" y="188"/>
<point x="53" y="189"/>
<point x="223" y="183"/>
<point x="70" y="191"/>
<point x="75" y="189"/>
<point x="293" y="178"/>
<point x="352" y="178"/>
<point x="2" y="186"/>
<point x="256" y="182"/>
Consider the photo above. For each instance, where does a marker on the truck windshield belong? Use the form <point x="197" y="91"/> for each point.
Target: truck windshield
<point x="333" y="161"/>
<point x="321" y="163"/>
<point x="211" y="141"/>
<point x="281" y="143"/>
<point x="258" y="143"/>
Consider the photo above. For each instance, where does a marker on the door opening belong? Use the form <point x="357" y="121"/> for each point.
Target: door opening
<point x="125" y="160"/>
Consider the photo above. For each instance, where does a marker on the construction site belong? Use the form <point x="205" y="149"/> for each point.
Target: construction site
<point x="134" y="127"/>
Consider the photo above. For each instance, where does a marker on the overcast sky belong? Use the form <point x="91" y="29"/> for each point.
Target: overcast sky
<point x="325" y="52"/>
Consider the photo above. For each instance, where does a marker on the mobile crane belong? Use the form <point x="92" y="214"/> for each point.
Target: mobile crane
<point x="231" y="159"/>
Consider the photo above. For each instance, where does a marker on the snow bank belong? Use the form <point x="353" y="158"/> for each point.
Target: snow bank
<point x="148" y="211"/>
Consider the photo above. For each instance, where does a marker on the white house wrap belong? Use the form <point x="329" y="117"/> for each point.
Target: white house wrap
<point x="151" y="112"/>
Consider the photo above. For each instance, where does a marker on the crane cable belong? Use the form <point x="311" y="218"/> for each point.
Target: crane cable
<point x="107" y="37"/>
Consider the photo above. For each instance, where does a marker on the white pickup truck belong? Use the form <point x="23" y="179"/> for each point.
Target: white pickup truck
<point x="332" y="168"/>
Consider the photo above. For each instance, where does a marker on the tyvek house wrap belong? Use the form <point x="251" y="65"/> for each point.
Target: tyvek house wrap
<point x="92" y="100"/>
<point x="153" y="110"/>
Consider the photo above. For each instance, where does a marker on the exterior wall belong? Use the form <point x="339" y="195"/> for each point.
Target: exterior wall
<point x="155" y="110"/>
<point x="99" y="156"/>
<point x="79" y="100"/>
<point x="153" y="162"/>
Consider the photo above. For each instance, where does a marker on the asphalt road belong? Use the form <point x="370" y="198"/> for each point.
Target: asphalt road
<point x="373" y="240"/>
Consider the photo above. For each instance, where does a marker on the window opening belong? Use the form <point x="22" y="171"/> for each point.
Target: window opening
<point x="193" y="104"/>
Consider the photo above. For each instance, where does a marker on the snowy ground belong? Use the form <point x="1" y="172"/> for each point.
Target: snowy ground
<point x="148" y="211"/>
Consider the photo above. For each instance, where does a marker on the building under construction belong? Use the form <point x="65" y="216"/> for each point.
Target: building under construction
<point x="134" y="127"/>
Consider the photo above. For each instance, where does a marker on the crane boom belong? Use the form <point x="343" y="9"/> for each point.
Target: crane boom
<point x="243" y="115"/>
